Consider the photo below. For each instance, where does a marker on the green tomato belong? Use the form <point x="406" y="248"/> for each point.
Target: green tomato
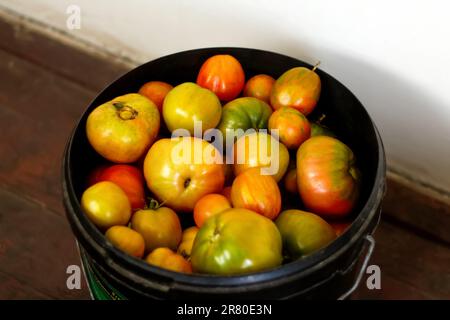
<point x="303" y="232"/>
<point x="236" y="241"/>
<point x="319" y="130"/>
<point x="245" y="113"/>
<point x="188" y="103"/>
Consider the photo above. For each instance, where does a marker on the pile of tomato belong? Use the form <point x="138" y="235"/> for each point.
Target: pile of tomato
<point x="244" y="219"/>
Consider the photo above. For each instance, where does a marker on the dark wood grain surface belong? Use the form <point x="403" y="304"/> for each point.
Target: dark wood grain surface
<point x="44" y="87"/>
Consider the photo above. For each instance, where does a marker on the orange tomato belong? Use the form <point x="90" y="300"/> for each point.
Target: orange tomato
<point x="254" y="150"/>
<point x="130" y="179"/>
<point x="208" y="206"/>
<point x="223" y="75"/>
<point x="179" y="171"/>
<point x="291" y="126"/>
<point x="254" y="191"/>
<point x="167" y="259"/>
<point x="259" y="87"/>
<point x="159" y="227"/>
<point x="156" y="91"/>
<point x="187" y="240"/>
<point x="127" y="240"/>
<point x="122" y="130"/>
<point x="290" y="181"/>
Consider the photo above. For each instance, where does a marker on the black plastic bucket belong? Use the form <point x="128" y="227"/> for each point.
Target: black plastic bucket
<point x="330" y="273"/>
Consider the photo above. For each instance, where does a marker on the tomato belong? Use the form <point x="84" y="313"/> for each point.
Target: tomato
<point x="127" y="240"/>
<point x="226" y="192"/>
<point x="303" y="232"/>
<point x="179" y="171"/>
<point x="319" y="130"/>
<point x="208" y="206"/>
<point x="160" y="227"/>
<point x="298" y="88"/>
<point x="187" y="103"/>
<point x="260" y="150"/>
<point x="259" y="87"/>
<point x="122" y="130"/>
<point x="236" y="241"/>
<point x="167" y="259"/>
<point x="130" y="179"/>
<point x="327" y="178"/>
<point x="223" y="75"/>
<point x="254" y="191"/>
<point x="244" y="113"/>
<point x="340" y="227"/>
<point x="156" y="91"/>
<point x="187" y="240"/>
<point x="290" y="181"/>
<point x="106" y="205"/>
<point x="292" y="127"/>
<point x="94" y="175"/>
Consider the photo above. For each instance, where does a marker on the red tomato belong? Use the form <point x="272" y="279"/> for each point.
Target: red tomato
<point x="259" y="87"/>
<point x="156" y="91"/>
<point x="227" y="193"/>
<point x="254" y="191"/>
<point x="340" y="227"/>
<point x="94" y="176"/>
<point x="223" y="75"/>
<point x="208" y="206"/>
<point x="290" y="181"/>
<point x="130" y="180"/>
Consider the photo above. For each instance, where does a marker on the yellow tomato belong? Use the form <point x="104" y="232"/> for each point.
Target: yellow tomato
<point x="179" y="171"/>
<point x="260" y="150"/>
<point x="106" y="205"/>
<point x="127" y="240"/>
<point x="167" y="259"/>
<point x="187" y="240"/>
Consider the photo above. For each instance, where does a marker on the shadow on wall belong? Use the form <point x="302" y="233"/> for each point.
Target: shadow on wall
<point x="414" y="125"/>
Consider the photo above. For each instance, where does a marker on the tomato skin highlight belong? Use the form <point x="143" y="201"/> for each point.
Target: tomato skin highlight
<point x="303" y="232"/>
<point x="167" y="259"/>
<point x="223" y="75"/>
<point x="260" y="87"/>
<point x="260" y="193"/>
<point x="208" y="206"/>
<point x="122" y="130"/>
<point x="224" y="245"/>
<point x="298" y="88"/>
<point x="156" y="91"/>
<point x="180" y="184"/>
<point x="291" y="126"/>
<point x="130" y="179"/>
<point x="127" y="240"/>
<point x="327" y="178"/>
<point x="106" y="205"/>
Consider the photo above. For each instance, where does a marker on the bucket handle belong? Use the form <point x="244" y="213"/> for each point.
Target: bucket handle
<point x="370" y="242"/>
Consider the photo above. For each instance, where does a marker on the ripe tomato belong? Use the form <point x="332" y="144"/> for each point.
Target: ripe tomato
<point x="208" y="206"/>
<point x="254" y="150"/>
<point x="159" y="227"/>
<point x="94" y="175"/>
<point x="327" y="178"/>
<point x="256" y="192"/>
<point x="303" y="232"/>
<point x="259" y="87"/>
<point x="236" y="241"/>
<point x="223" y="75"/>
<point x="122" y="130"/>
<point x="106" y="205"/>
<point x="127" y="240"/>
<point x="298" y="88"/>
<point x="179" y="171"/>
<point x="167" y="259"/>
<point x="188" y="103"/>
<point x="156" y="91"/>
<point x="290" y="181"/>
<point x="226" y="192"/>
<point x="130" y="179"/>
<point x="292" y="127"/>
<point x="187" y="240"/>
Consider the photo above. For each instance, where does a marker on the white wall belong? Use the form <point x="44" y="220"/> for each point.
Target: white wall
<point x="394" y="55"/>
